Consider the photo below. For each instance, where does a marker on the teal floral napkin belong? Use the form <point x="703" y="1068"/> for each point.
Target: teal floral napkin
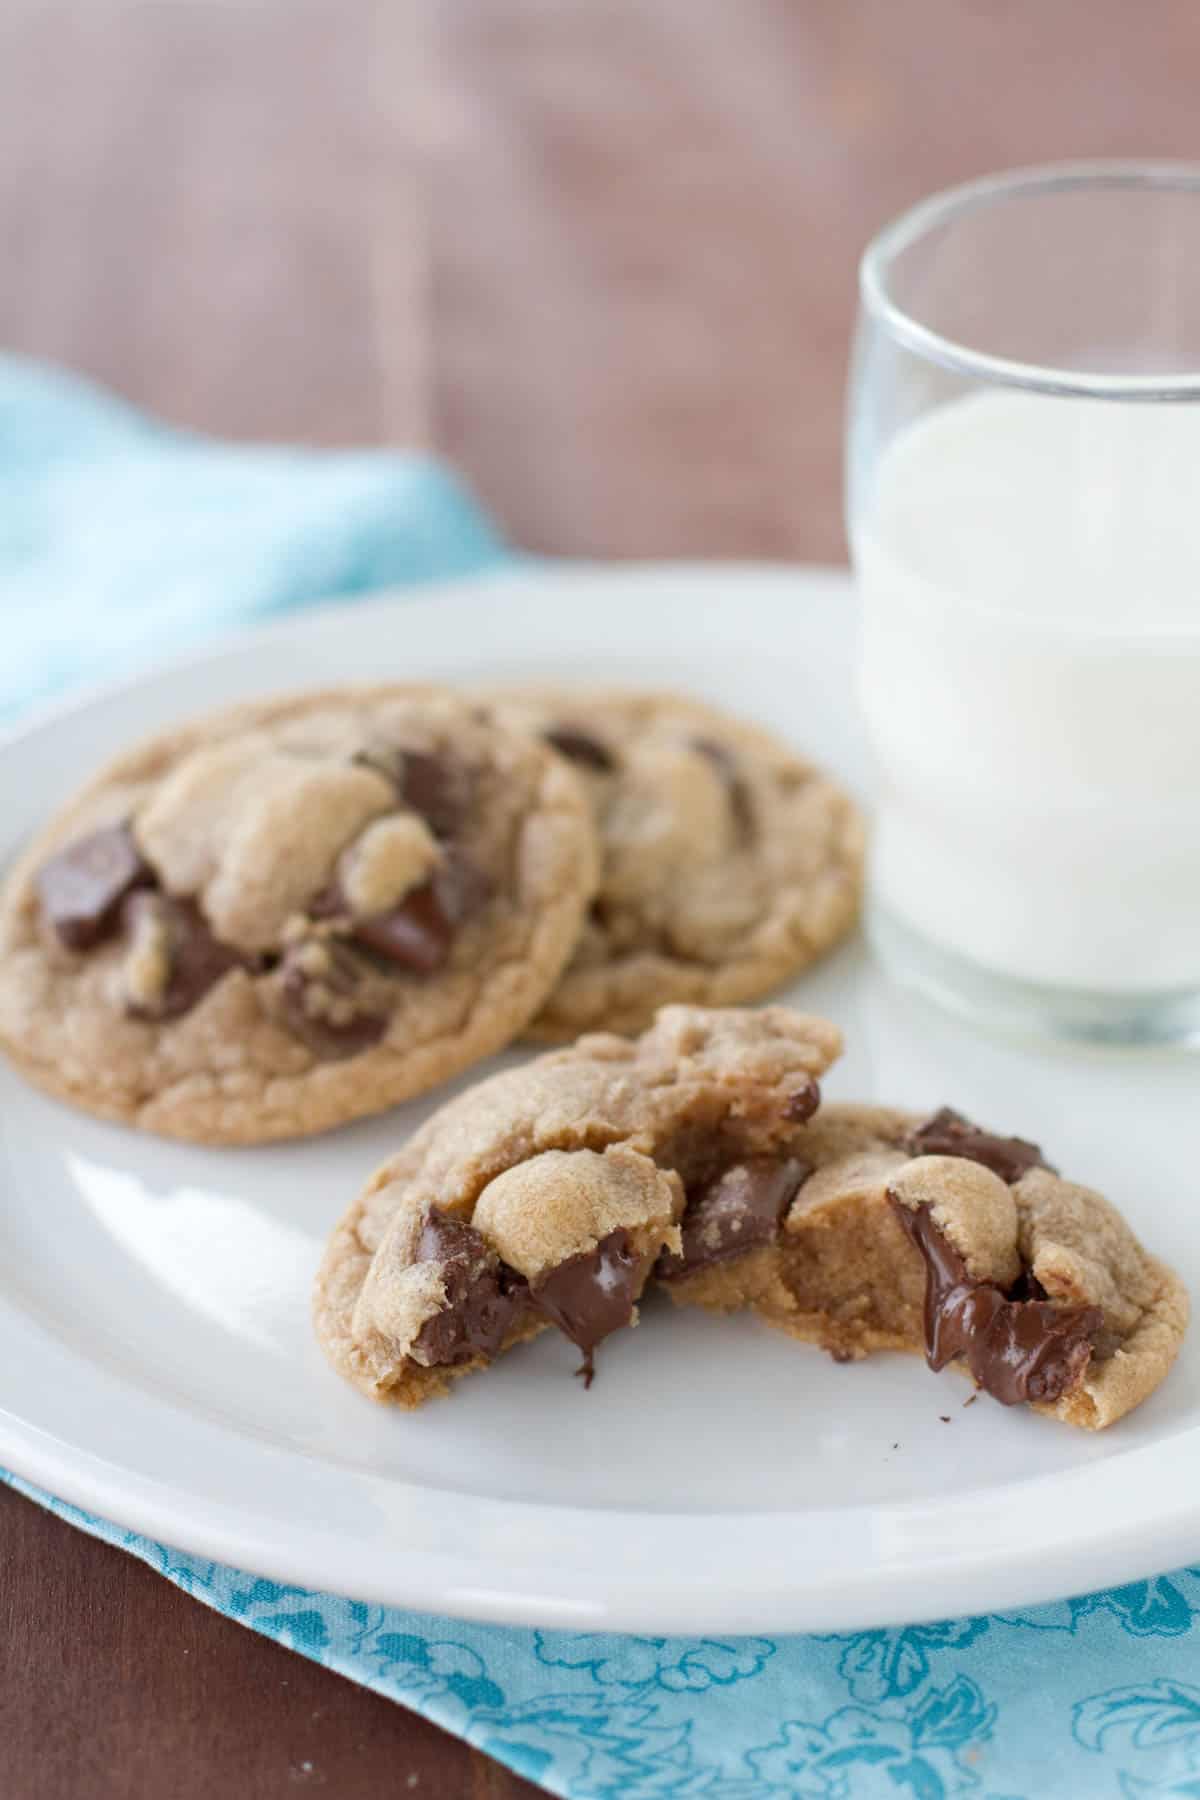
<point x="1084" y="1700"/>
<point x="119" y="539"/>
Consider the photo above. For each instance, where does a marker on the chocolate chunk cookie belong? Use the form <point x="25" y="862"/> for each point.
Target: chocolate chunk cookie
<point x="547" y="1194"/>
<point x="286" y="916"/>
<point x="698" y="1156"/>
<point x="939" y="1237"/>
<point x="729" y="861"/>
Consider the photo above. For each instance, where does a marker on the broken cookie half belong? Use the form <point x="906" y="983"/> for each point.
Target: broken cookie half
<point x="938" y="1237"/>
<point x="698" y="1158"/>
<point x="547" y="1195"/>
<point x="566" y="1238"/>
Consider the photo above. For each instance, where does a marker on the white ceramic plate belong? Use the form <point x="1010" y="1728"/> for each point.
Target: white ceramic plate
<point x="156" y="1362"/>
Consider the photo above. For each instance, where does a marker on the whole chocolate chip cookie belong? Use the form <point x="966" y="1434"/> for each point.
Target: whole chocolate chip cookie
<point x="291" y="914"/>
<point x="729" y="862"/>
<point x="547" y="1194"/>
<point x="939" y="1237"/>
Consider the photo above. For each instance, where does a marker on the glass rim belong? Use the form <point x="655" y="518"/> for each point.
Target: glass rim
<point x="968" y="196"/>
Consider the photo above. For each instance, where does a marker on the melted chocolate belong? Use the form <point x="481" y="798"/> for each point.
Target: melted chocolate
<point x="947" y="1133"/>
<point x="591" y="1295"/>
<point x="484" y="1297"/>
<point x="580" y="747"/>
<point x="587" y="1296"/>
<point x="800" y="1106"/>
<point x="419" y="934"/>
<point x="739" y="1211"/>
<point x="1016" y="1348"/>
<point x="342" y="979"/>
<point x="196" y="960"/>
<point x="741" y="801"/>
<point x="81" y="889"/>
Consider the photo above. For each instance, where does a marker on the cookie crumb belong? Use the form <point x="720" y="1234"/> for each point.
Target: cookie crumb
<point x="314" y="960"/>
<point x="295" y="929"/>
<point x="147" y="967"/>
<point x="393" y="856"/>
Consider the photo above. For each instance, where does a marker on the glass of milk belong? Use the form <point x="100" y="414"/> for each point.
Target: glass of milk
<point x="1023" y="496"/>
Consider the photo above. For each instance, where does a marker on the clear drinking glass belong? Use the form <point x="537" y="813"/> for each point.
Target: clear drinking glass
<point x="1023" y="499"/>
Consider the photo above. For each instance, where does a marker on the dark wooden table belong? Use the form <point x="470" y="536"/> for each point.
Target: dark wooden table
<point x="602" y="254"/>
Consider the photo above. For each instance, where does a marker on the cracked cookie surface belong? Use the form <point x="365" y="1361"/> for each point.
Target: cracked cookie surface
<point x="291" y="914"/>
<point x="729" y="861"/>
<point x="546" y="1194"/>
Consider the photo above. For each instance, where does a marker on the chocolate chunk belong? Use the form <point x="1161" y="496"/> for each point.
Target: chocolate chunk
<point x="416" y="935"/>
<point x="447" y="1239"/>
<point x="329" y="903"/>
<point x="334" y="1042"/>
<point x="591" y="1295"/>
<point x="800" y="1106"/>
<point x="741" y="801"/>
<point x="321" y="988"/>
<point x="1016" y="1348"/>
<point x="81" y="889"/>
<point x="947" y="1133"/>
<point x="196" y="960"/>
<point x="435" y="786"/>
<point x="739" y="1211"/>
<point x="484" y="1297"/>
<point x="419" y="933"/>
<point x="580" y="747"/>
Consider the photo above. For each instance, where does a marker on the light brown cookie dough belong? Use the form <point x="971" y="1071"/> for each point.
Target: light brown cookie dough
<point x="725" y="1277"/>
<point x="730" y="862"/>
<point x="291" y="914"/>
<point x="546" y="1194"/>
<point x="939" y="1238"/>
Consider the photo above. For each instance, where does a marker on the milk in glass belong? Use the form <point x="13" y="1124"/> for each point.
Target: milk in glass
<point x="1030" y="577"/>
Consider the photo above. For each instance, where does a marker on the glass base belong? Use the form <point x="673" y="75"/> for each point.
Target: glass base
<point x="1074" y="1015"/>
